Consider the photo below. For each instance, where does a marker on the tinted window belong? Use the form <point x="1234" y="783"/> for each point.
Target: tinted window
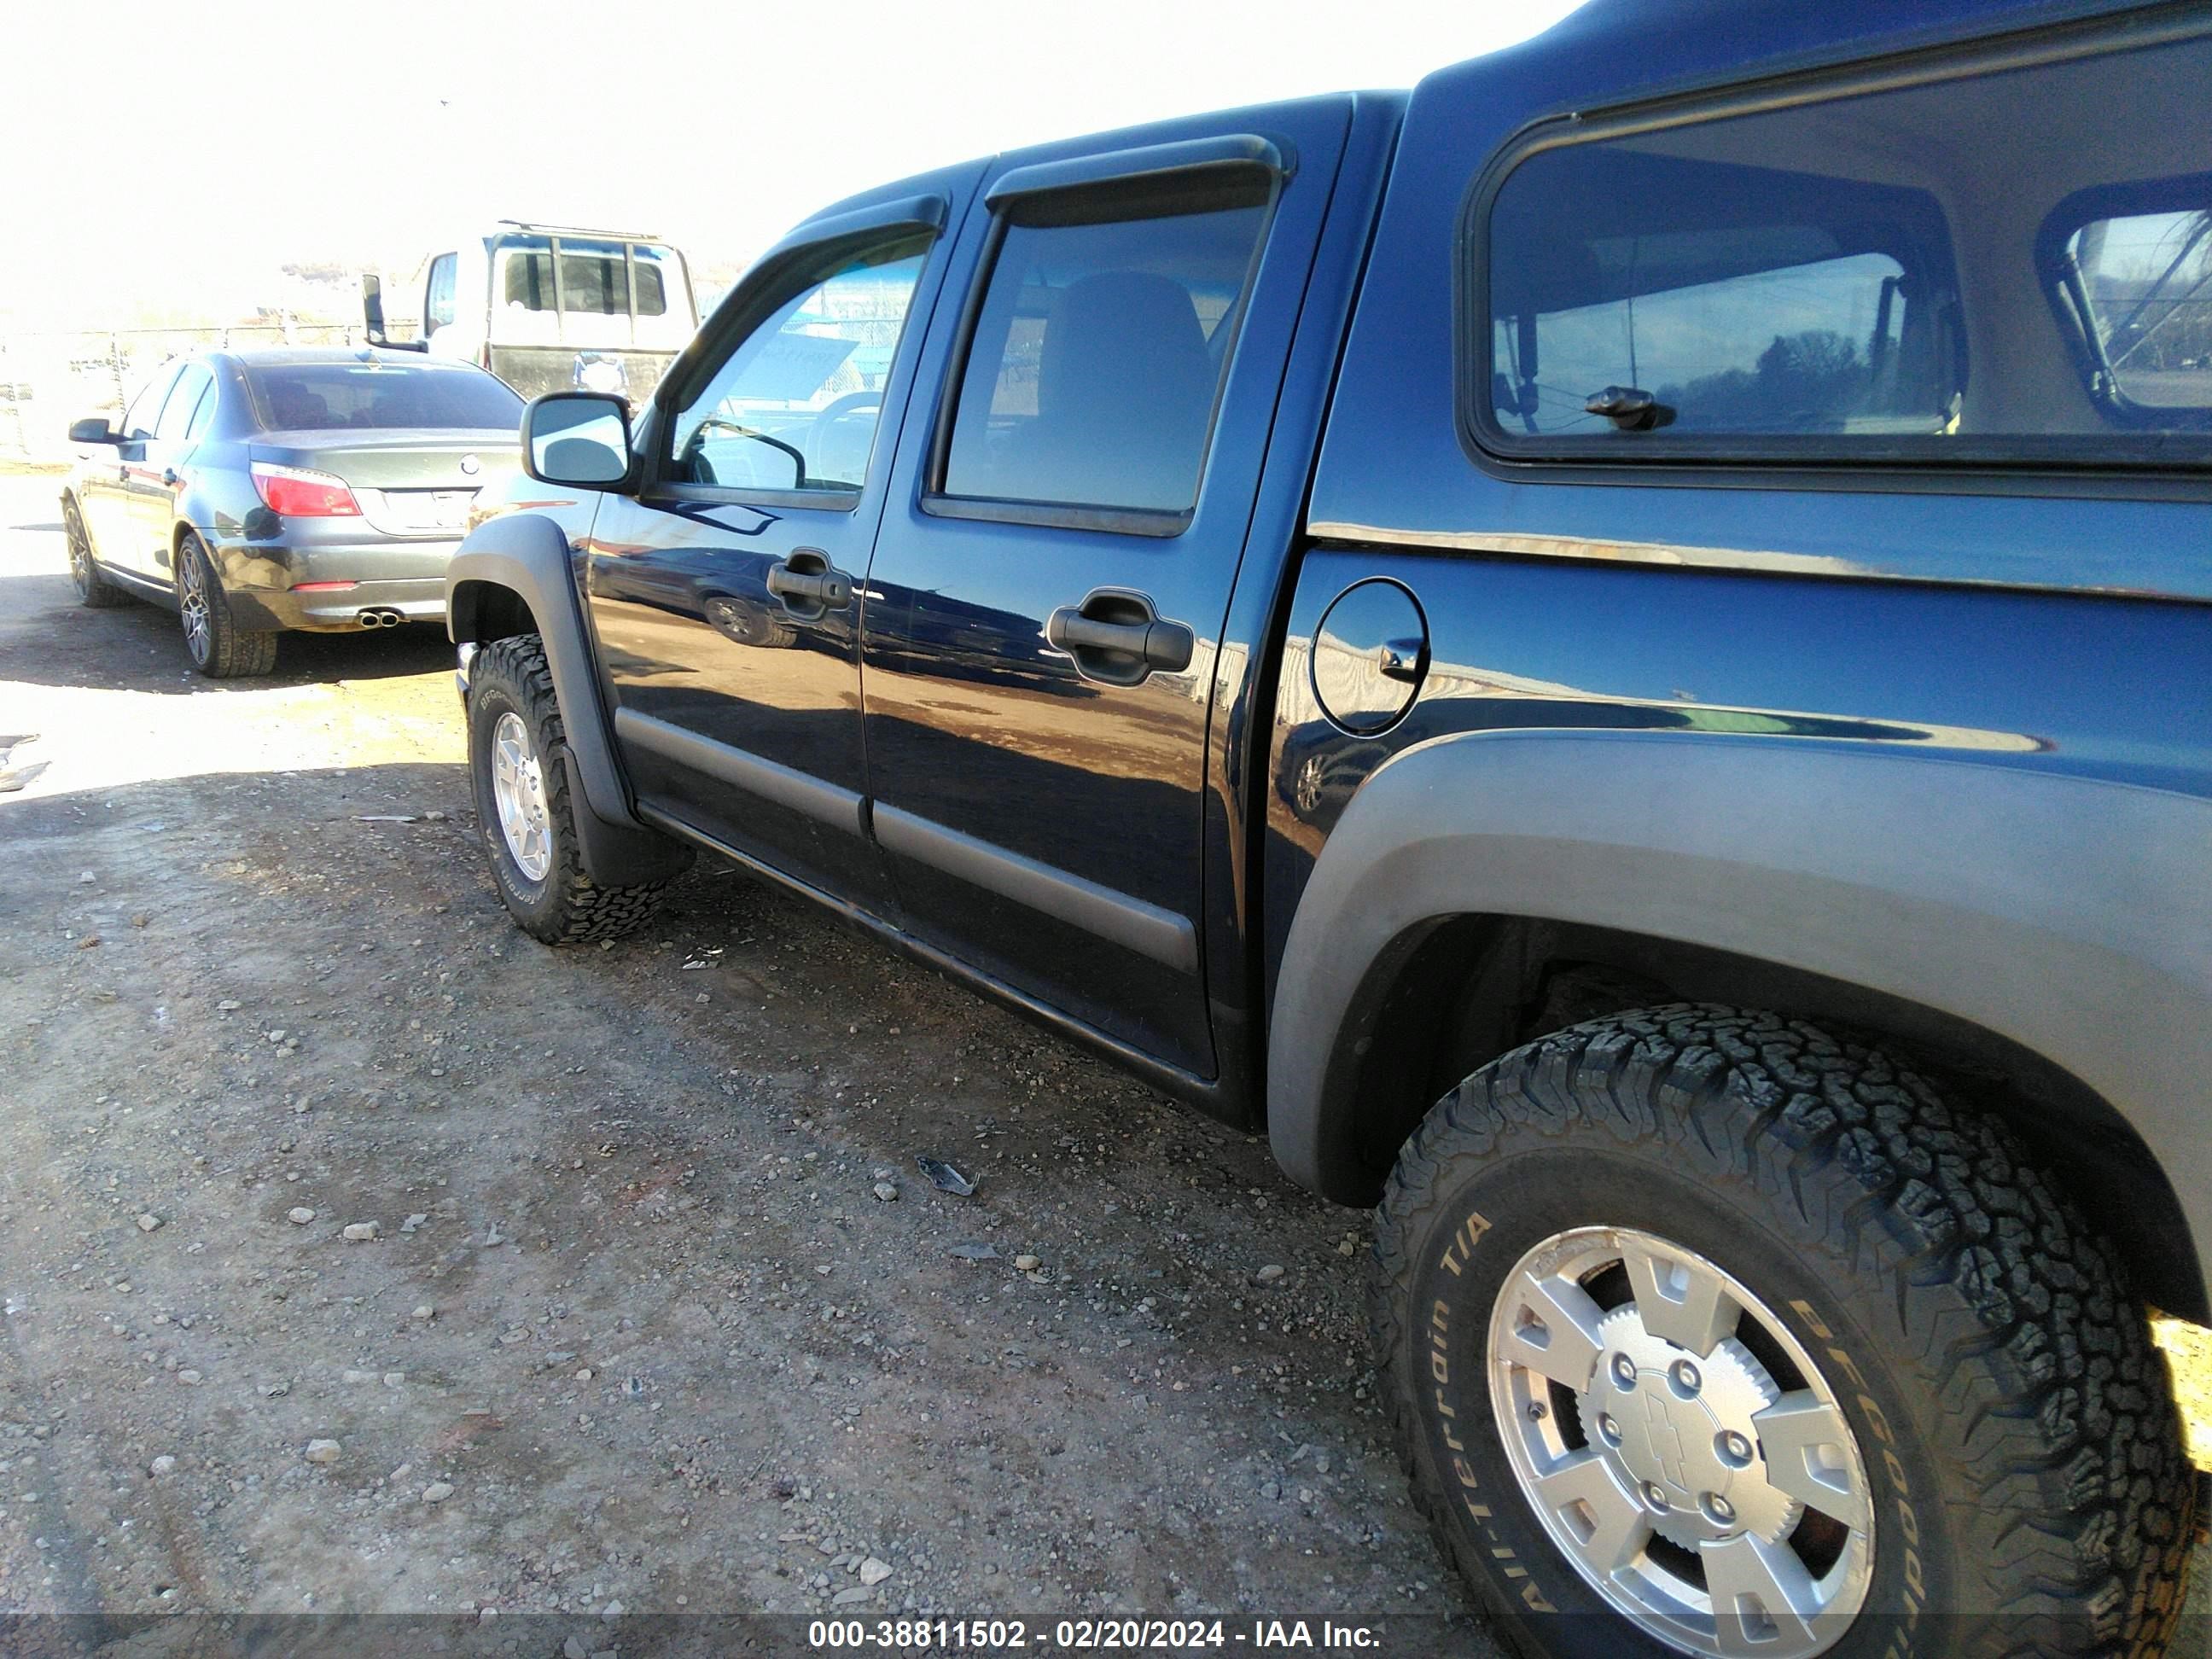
<point x="203" y="416"/>
<point x="594" y="277"/>
<point x="138" y="420"/>
<point x="1739" y="299"/>
<point x="1096" y="356"/>
<point x="295" y="397"/>
<point x="651" y="291"/>
<point x="796" y="404"/>
<point x="193" y="384"/>
<point x="438" y="301"/>
<point x="1869" y="276"/>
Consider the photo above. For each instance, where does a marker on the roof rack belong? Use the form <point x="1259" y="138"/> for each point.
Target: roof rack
<point x="536" y="229"/>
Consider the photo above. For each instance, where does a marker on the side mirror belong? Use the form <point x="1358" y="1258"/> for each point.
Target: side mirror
<point x="94" y="429"/>
<point x="372" y="305"/>
<point x="577" y="440"/>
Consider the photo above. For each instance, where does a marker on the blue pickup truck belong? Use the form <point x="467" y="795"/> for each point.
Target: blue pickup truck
<point x="1615" y="652"/>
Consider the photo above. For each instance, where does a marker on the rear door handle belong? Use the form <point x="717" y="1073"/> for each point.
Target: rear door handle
<point x="809" y="585"/>
<point x="1117" y="637"/>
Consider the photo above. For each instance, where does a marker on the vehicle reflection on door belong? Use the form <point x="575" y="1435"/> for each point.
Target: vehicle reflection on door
<point x="739" y="705"/>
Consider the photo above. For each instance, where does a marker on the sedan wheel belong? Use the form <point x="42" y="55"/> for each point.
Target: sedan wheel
<point x="94" y="591"/>
<point x="219" y="647"/>
<point x="193" y="607"/>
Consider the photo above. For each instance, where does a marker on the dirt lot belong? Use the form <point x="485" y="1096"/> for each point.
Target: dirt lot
<point x="636" y="1341"/>
<point x="635" y="1334"/>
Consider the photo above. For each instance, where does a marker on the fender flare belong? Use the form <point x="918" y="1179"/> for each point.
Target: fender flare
<point x="2069" y="915"/>
<point x="527" y="555"/>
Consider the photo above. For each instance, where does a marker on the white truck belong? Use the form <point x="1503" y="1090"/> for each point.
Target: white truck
<point x="552" y="308"/>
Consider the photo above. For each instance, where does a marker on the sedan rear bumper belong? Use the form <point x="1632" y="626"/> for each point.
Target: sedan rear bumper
<point x="338" y="609"/>
<point x="331" y="587"/>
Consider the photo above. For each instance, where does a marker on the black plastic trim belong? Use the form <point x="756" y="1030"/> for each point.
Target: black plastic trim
<point x="1204" y="1093"/>
<point x="841" y="809"/>
<point x="927" y="212"/>
<point x="1054" y="515"/>
<point x="621" y="407"/>
<point x="818" y="501"/>
<point x="1147" y="164"/>
<point x="527" y="555"/>
<point x="1147" y="929"/>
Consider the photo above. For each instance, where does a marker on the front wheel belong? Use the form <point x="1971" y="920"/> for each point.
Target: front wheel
<point x="94" y="591"/>
<point x="515" y="740"/>
<point x="1706" y="1333"/>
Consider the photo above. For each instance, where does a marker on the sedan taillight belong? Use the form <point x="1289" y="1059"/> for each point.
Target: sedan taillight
<point x="293" y="492"/>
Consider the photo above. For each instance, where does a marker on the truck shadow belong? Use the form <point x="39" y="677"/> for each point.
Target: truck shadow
<point x="140" y="647"/>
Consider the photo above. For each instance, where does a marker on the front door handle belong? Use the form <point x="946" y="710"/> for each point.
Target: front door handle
<point x="1117" y="637"/>
<point x="809" y="585"/>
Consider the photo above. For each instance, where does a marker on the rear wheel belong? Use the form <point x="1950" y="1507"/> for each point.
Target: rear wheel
<point x="218" y="649"/>
<point x="94" y="591"/>
<point x="515" y="740"/>
<point x="1705" y="1331"/>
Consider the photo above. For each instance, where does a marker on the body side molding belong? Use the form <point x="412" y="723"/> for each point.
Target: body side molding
<point x="841" y="809"/>
<point x="1147" y="929"/>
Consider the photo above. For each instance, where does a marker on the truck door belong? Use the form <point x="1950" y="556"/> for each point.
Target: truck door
<point x="725" y="594"/>
<point x="1052" y="577"/>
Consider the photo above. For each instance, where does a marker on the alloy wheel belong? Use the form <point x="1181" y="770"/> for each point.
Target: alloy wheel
<point x="518" y="789"/>
<point x="80" y="550"/>
<point x="192" y="604"/>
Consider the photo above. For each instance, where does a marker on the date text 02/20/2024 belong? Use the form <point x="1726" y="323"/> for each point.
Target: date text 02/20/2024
<point x="1086" y="1634"/>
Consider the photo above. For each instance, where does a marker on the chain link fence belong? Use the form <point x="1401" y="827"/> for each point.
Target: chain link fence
<point x="48" y="379"/>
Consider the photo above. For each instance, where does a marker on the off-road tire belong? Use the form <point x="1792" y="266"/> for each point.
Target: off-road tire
<point x="94" y="591"/>
<point x="567" y="907"/>
<point x="2036" y="1482"/>
<point x="230" y="652"/>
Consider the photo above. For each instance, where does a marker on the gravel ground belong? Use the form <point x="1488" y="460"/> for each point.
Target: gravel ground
<point x="363" y="1256"/>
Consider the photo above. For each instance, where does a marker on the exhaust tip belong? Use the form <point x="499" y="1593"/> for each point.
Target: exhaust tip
<point x="379" y="617"/>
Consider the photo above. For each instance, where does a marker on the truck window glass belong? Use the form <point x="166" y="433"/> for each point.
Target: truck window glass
<point x="795" y="404"/>
<point x="2145" y="284"/>
<point x="594" y="277"/>
<point x="438" y="300"/>
<point x="1848" y="278"/>
<point x="317" y="397"/>
<point x="1092" y="375"/>
<point x="652" y="292"/>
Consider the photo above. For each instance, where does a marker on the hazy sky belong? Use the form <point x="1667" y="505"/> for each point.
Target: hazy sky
<point x="187" y="150"/>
